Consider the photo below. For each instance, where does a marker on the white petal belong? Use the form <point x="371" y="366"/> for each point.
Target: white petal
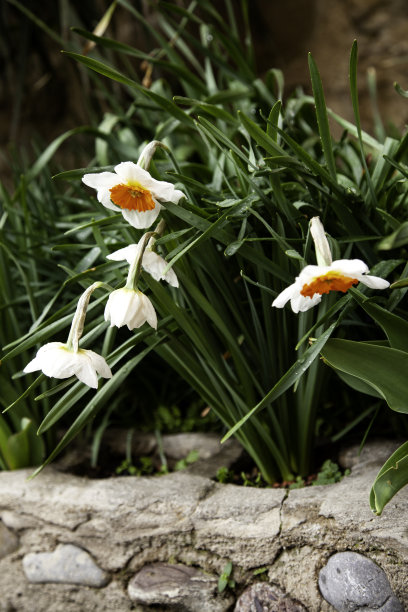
<point x="165" y="192"/>
<point x="130" y="172"/>
<point x="117" y="307"/>
<point x="104" y="198"/>
<point x="128" y="254"/>
<point x="100" y="180"/>
<point x="141" y="220"/>
<point x="41" y="356"/>
<point x="84" y="370"/>
<point x="33" y="365"/>
<point x="103" y="182"/>
<point x="156" y="265"/>
<point x="374" y="282"/>
<point x="56" y="360"/>
<point x="310" y="272"/>
<point x="349" y="267"/>
<point x="300" y="303"/>
<point x="149" y="312"/>
<point x="137" y="312"/>
<point x="99" y="363"/>
<point x="285" y="296"/>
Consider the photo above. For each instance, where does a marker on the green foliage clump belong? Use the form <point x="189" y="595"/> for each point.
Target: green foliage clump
<point x="255" y="166"/>
<point x="329" y="473"/>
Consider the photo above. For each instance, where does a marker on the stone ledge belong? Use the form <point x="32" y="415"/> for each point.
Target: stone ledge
<point x="125" y="523"/>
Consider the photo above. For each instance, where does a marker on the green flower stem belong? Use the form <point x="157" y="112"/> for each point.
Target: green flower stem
<point x="158" y="232"/>
<point x="77" y="325"/>
<point x="136" y="266"/>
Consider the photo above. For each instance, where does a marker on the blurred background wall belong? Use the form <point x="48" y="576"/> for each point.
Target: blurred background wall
<point x="43" y="93"/>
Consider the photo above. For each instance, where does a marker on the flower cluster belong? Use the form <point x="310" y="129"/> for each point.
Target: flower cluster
<point x="131" y="190"/>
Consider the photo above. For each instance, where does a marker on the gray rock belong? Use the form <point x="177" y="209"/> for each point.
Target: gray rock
<point x="179" y="586"/>
<point x="68" y="563"/>
<point x="264" y="597"/>
<point x="350" y="582"/>
<point x="8" y="541"/>
<point x="375" y="451"/>
<point x="175" y="446"/>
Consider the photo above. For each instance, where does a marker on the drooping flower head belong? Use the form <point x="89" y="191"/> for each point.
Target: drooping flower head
<point x="62" y="360"/>
<point x="151" y="261"/>
<point x="130" y="307"/>
<point x="57" y="360"/>
<point x="132" y="191"/>
<point x="314" y="281"/>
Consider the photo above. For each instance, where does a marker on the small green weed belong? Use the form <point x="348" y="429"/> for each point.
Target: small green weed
<point x="298" y="484"/>
<point x="192" y="457"/>
<point x="224" y="580"/>
<point x="329" y="474"/>
<point x="224" y="475"/>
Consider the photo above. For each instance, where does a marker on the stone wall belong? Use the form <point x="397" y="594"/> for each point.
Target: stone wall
<point x="69" y="543"/>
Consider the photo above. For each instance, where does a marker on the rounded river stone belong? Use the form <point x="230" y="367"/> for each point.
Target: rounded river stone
<point x="351" y="582"/>
<point x="68" y="563"/>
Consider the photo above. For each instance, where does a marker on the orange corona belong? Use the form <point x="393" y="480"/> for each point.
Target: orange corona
<point x="328" y="282"/>
<point x="131" y="197"/>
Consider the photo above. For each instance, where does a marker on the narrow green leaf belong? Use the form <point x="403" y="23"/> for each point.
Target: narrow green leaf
<point x="115" y="75"/>
<point x="216" y="111"/>
<point x="288" y="379"/>
<point x="383" y="170"/>
<point x="354" y="101"/>
<point x="178" y="69"/>
<point x="27" y="392"/>
<point x="395" y="240"/>
<point x="273" y="121"/>
<point x="351" y="128"/>
<point x="262" y="138"/>
<point x="322" y="119"/>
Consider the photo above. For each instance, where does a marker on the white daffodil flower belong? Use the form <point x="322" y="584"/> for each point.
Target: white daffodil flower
<point x="151" y="261"/>
<point x="58" y="361"/>
<point x="132" y="191"/>
<point x="314" y="281"/>
<point x="130" y="307"/>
